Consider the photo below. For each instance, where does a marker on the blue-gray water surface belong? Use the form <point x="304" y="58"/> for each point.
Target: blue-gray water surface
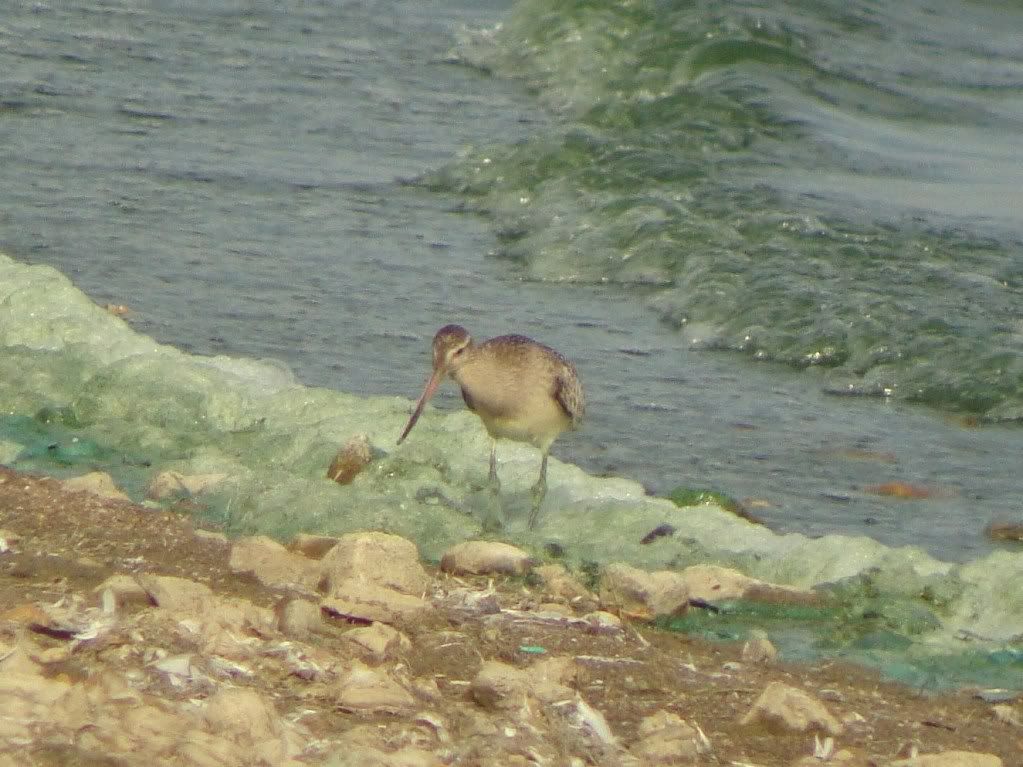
<point x="235" y="174"/>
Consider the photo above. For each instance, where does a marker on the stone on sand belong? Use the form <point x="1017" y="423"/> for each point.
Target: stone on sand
<point x="377" y="642"/>
<point x="714" y="583"/>
<point x="298" y="618"/>
<point x="638" y="593"/>
<point x="377" y="558"/>
<point x="485" y="558"/>
<point x="372" y="690"/>
<point x="97" y="483"/>
<point x="173" y="484"/>
<point x="368" y="602"/>
<point x="666" y="738"/>
<point x="560" y="586"/>
<point x="781" y="708"/>
<point x="272" y="564"/>
<point x="501" y="686"/>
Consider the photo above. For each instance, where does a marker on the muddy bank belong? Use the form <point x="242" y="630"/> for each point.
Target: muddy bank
<point x="128" y="637"/>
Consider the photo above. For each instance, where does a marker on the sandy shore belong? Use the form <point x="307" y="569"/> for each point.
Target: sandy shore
<point x="60" y="546"/>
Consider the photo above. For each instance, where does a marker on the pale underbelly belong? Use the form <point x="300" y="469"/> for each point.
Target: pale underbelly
<point x="540" y="430"/>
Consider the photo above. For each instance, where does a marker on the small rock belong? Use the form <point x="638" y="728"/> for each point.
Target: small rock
<point x="298" y="618"/>
<point x="781" y="708"/>
<point x="25" y="614"/>
<point x="1007" y="714"/>
<point x="52" y="655"/>
<point x="469" y="602"/>
<point x="602" y="622"/>
<point x="176" y="666"/>
<point x="554" y="608"/>
<point x="367" y="690"/>
<point x="174" y="484"/>
<point x="637" y="593"/>
<point x="712" y="583"/>
<point x="25" y="690"/>
<point x="350" y="460"/>
<point x="69" y="618"/>
<point x="17" y="660"/>
<point x="378" y="558"/>
<point x="560" y="585"/>
<point x="176" y="594"/>
<point x="242" y="711"/>
<point x="759" y="649"/>
<point x="550" y="677"/>
<point x="219" y="625"/>
<point x="585" y="718"/>
<point x="272" y="564"/>
<point x="666" y="738"/>
<point x="124" y="590"/>
<point x="485" y="558"/>
<point x="98" y="483"/>
<point x="424" y="689"/>
<point x="501" y="686"/>
<point x="355" y="600"/>
<point x="377" y="642"/>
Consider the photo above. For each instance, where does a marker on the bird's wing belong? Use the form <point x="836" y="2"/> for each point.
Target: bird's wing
<point x="569" y="394"/>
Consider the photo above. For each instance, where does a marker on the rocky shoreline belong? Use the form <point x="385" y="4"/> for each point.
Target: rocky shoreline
<point x="128" y="637"/>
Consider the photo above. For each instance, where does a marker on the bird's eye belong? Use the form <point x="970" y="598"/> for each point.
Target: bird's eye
<point x="458" y="351"/>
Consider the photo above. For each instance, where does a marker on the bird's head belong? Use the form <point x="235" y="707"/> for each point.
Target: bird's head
<point x="449" y="344"/>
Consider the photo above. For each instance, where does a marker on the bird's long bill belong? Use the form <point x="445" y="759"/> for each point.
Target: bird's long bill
<point x="428" y="390"/>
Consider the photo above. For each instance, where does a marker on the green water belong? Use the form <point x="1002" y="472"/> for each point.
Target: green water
<point x="773" y="180"/>
<point x="878" y="636"/>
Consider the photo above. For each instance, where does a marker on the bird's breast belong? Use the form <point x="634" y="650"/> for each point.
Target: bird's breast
<point x="513" y="405"/>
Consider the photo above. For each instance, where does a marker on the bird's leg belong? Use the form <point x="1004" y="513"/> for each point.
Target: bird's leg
<point x="495" y="513"/>
<point x="538" y="491"/>
<point x="495" y="483"/>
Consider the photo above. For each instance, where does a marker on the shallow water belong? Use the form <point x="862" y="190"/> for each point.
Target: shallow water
<point x="230" y="175"/>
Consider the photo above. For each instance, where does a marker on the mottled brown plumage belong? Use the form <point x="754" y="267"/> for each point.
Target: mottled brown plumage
<point x="520" y="389"/>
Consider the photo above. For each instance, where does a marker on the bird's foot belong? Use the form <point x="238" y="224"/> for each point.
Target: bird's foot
<point x="493" y="519"/>
<point x="536" y="494"/>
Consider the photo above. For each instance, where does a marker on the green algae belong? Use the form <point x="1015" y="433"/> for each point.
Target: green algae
<point x="690" y="496"/>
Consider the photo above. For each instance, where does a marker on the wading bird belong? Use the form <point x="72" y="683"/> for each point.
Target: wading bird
<point x="520" y="389"/>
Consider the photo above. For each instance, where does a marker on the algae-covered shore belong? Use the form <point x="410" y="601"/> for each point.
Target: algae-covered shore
<point x="129" y="636"/>
<point x="81" y="390"/>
